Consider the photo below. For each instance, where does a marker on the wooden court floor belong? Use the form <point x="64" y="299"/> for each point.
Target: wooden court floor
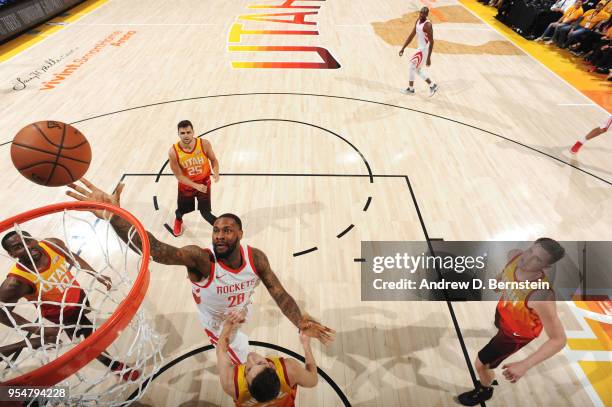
<point x="302" y="149"/>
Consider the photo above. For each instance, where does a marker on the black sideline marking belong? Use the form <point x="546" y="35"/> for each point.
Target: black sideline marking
<point x="367" y="205"/>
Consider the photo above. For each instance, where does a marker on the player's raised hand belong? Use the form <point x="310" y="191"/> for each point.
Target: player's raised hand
<point x="106" y="281"/>
<point x="236" y="317"/>
<point x="514" y="371"/>
<point x="314" y="329"/>
<point x="89" y="192"/>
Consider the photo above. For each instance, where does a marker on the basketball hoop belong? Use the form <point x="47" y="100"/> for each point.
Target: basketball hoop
<point x="65" y="362"/>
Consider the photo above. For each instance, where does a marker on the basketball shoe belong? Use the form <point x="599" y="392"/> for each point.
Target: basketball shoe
<point x="125" y="372"/>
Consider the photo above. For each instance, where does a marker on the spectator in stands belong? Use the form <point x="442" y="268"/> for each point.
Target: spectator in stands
<point x="570" y="16"/>
<point x="593" y="39"/>
<point x="587" y="23"/>
<point x="601" y="58"/>
<point x="544" y="17"/>
<point x="589" y="19"/>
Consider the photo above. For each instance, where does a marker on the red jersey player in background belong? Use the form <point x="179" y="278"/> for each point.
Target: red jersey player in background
<point x="520" y="317"/>
<point x="191" y="160"/>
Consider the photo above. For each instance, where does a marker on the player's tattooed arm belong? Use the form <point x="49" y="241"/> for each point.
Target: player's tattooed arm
<point x="190" y="256"/>
<point x="283" y="299"/>
<point x="287" y="304"/>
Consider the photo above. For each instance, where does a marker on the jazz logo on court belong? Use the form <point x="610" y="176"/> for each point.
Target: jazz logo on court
<point x="297" y="15"/>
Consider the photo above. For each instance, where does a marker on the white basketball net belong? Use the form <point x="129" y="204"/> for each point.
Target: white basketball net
<point x="138" y="347"/>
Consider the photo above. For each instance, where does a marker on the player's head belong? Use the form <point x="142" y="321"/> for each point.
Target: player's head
<point x="423" y="13"/>
<point x="261" y="378"/>
<point x="185" y="131"/>
<point x="543" y="252"/>
<point x="12" y="242"/>
<point x="227" y="232"/>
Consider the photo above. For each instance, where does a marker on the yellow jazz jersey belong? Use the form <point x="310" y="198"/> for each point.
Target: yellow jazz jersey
<point x="513" y="315"/>
<point x="55" y="285"/>
<point x="286" y="396"/>
<point x="194" y="164"/>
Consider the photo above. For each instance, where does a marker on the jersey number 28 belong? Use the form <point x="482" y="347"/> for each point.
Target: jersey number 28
<point x="235" y="300"/>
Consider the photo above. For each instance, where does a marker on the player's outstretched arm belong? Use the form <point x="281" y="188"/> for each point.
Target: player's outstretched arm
<point x="286" y="302"/>
<point x="189" y="256"/>
<point x="547" y="312"/>
<point x="224" y="363"/>
<point x="303" y="375"/>
<point x="72" y="257"/>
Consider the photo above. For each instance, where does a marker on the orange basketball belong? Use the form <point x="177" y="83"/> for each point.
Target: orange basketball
<point x="51" y="153"/>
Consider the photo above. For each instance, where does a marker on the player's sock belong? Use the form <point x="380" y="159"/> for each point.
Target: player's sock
<point x="478" y="395"/>
<point x="178" y="227"/>
<point x="408" y="91"/>
<point x="576" y="147"/>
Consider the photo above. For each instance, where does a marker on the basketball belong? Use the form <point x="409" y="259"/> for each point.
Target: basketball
<point x="51" y="153"/>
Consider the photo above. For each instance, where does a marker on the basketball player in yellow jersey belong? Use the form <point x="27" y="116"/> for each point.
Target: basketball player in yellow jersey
<point x="191" y="160"/>
<point x="520" y="317"/>
<point x="261" y="381"/>
<point x="42" y="273"/>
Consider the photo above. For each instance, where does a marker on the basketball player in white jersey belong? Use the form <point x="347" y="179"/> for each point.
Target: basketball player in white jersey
<point x="223" y="276"/>
<point x="423" y="30"/>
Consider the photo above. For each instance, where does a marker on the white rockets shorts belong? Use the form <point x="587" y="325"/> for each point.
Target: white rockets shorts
<point x="239" y="345"/>
<point x="418" y="58"/>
